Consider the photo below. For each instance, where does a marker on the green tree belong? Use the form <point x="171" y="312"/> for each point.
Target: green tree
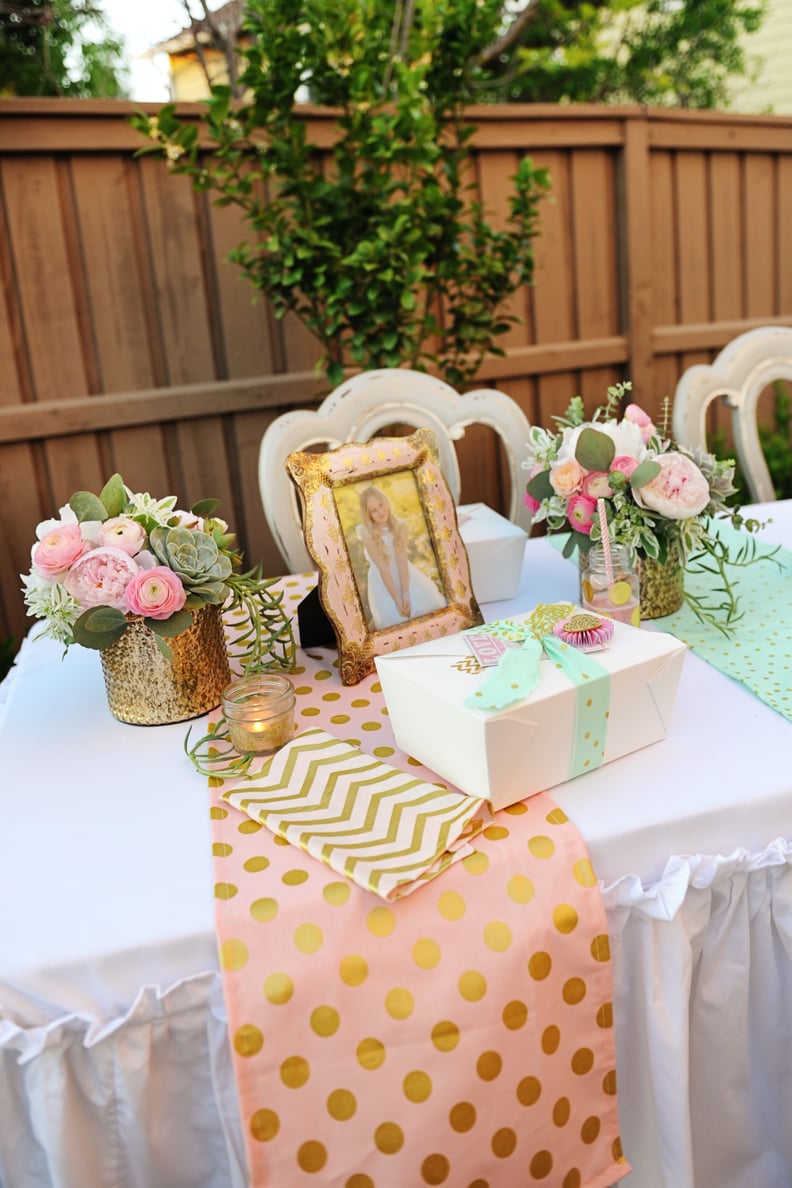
<point x="383" y="250"/>
<point x="58" y="47"/>
<point x="679" y="53"/>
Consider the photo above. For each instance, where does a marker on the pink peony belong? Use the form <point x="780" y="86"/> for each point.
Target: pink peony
<point x="100" y="577"/>
<point x="580" y="513"/>
<point x="634" y="413"/>
<point x="155" y="593"/>
<point x="566" y="477"/>
<point x="58" y="549"/>
<point x="596" y="485"/>
<point x="625" y="464"/>
<point x="679" y="492"/>
<point x="123" y="533"/>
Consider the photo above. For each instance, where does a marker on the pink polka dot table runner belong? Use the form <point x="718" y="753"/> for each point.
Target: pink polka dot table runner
<point x="462" y="1035"/>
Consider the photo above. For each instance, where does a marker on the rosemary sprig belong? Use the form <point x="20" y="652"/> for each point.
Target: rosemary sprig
<point x="716" y="560"/>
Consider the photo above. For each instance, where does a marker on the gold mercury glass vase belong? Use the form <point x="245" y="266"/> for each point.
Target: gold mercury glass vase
<point x="146" y="688"/>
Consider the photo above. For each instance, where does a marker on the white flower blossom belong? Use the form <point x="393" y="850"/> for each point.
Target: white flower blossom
<point x="51" y="601"/>
<point x="143" y="504"/>
<point x="625" y="435"/>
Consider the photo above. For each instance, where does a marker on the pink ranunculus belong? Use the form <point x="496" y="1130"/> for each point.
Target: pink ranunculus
<point x="100" y="577"/>
<point x="58" y="549"/>
<point x="634" y="413"/>
<point x="625" y="464"/>
<point x="596" y="485"/>
<point x="155" y="593"/>
<point x="679" y="492"/>
<point x="566" y="477"/>
<point x="581" y="512"/>
<point x="123" y="533"/>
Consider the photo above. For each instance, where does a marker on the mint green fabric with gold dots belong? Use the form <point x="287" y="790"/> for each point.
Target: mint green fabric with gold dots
<point x="758" y="652"/>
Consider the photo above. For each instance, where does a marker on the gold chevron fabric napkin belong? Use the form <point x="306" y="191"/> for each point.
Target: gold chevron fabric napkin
<point x="380" y="827"/>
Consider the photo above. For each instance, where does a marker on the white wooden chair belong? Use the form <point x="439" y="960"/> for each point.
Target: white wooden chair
<point x="362" y="407"/>
<point x="740" y="373"/>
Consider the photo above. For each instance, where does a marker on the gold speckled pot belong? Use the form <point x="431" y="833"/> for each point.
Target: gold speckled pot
<point x="662" y="586"/>
<point x="147" y="689"/>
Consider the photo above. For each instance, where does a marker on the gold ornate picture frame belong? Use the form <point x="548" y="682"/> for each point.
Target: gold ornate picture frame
<point x="381" y="526"/>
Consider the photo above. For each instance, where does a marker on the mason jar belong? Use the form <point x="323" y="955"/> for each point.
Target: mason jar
<point x="259" y="711"/>
<point x="618" y="594"/>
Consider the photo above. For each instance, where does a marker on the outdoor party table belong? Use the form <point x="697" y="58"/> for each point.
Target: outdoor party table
<point x="115" y="1061"/>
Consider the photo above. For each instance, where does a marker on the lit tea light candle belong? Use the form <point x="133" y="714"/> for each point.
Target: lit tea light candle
<point x="259" y="711"/>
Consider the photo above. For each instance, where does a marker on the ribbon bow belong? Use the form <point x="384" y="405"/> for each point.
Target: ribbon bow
<point x="519" y="672"/>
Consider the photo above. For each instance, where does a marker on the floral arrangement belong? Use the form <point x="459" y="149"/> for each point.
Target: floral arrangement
<point x="122" y="555"/>
<point x="659" y="499"/>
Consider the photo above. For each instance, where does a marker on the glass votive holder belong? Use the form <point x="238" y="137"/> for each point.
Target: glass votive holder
<point x="259" y="711"/>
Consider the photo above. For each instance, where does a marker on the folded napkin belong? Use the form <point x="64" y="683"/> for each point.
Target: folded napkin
<point x="380" y="827"/>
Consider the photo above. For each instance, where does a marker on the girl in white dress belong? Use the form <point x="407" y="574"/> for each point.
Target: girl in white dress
<point x="397" y="589"/>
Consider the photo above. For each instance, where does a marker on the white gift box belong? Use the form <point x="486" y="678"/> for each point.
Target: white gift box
<point x="507" y="755"/>
<point x="495" y="549"/>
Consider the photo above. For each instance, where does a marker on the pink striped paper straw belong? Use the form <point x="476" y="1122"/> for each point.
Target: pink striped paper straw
<point x="606" y="546"/>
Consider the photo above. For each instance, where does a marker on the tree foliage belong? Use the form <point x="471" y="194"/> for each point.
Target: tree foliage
<point x="680" y="53"/>
<point x="58" y="47"/>
<point x="379" y="245"/>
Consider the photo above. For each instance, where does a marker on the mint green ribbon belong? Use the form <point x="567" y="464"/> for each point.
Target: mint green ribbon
<point x="517" y="675"/>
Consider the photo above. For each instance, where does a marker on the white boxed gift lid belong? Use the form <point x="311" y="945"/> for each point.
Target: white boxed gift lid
<point x="510" y="754"/>
<point x="495" y="549"/>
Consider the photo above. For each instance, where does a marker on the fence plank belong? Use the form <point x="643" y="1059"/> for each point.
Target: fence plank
<point x="45" y="291"/>
<point x="760" y="236"/>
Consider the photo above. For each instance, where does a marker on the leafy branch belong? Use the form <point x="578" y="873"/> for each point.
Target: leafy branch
<point x="715" y="560"/>
<point x="377" y="242"/>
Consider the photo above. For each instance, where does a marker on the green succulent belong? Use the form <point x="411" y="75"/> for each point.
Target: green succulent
<point x="195" y="557"/>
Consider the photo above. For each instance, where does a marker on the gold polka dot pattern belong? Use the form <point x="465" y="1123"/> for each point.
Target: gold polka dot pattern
<point x="233" y="954"/>
<point x="341" y="1105"/>
<point x="294" y="1072"/>
<point x="758" y="653"/>
<point x="248" y="1040"/>
<point x="461" y="1036"/>
<point x="353" y="969"/>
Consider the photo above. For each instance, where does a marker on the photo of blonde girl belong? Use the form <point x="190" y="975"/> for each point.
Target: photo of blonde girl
<point x="397" y="589"/>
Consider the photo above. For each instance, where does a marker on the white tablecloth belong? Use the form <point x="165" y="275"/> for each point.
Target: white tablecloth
<point x="114" y="1062"/>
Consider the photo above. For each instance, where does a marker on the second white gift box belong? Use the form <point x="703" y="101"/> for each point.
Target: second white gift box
<point x="510" y="754"/>
<point x="495" y="549"/>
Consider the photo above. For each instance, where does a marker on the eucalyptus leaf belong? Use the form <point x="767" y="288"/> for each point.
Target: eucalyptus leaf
<point x="99" y="627"/>
<point x="163" y="647"/>
<point x="539" y="487"/>
<point x="644" y="473"/>
<point x="595" y="450"/>
<point x="113" y="496"/>
<point x="88" y="507"/>
<point x="167" y="628"/>
<point x="205" y="508"/>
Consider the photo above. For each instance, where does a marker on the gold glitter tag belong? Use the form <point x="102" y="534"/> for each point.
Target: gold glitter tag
<point x="543" y="619"/>
<point x="582" y="623"/>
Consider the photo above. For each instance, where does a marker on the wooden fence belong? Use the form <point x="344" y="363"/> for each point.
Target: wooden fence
<point x="128" y="343"/>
